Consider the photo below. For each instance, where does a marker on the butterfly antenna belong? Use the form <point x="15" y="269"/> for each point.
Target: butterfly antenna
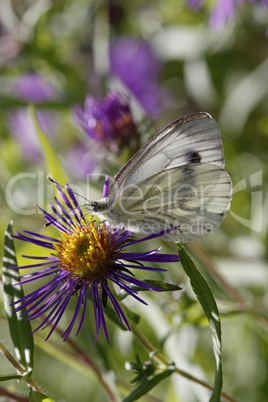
<point x="89" y="203"/>
<point x="79" y="195"/>
<point x="59" y="217"/>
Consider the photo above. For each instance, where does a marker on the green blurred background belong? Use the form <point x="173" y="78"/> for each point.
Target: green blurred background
<point x="223" y="72"/>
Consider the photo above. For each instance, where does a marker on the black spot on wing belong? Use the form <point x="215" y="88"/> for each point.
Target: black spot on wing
<point x="194" y="157"/>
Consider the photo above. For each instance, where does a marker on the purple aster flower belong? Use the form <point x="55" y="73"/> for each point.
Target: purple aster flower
<point x="85" y="261"/>
<point x="134" y="63"/>
<point x="107" y="121"/>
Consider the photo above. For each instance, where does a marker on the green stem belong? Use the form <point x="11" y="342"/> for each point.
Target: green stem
<point x="19" y="368"/>
<point x="162" y="359"/>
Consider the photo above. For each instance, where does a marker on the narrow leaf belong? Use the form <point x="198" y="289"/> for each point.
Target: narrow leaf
<point x="147" y="385"/>
<point x="52" y="160"/>
<point x="111" y="314"/>
<point x="164" y="286"/>
<point x="207" y="301"/>
<point x="20" y="330"/>
<point x="10" y="377"/>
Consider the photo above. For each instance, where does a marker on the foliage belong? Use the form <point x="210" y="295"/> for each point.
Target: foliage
<point x="223" y="294"/>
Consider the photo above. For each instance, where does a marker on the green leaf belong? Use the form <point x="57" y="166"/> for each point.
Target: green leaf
<point x="132" y="315"/>
<point x="38" y="397"/>
<point x="164" y="286"/>
<point x="54" y="166"/>
<point x="146" y="386"/>
<point x="207" y="301"/>
<point x="111" y="314"/>
<point x="10" y="377"/>
<point x="20" y="330"/>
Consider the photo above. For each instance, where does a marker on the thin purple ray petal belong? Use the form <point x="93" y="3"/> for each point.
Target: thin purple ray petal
<point x="68" y="330"/>
<point x="40" y="236"/>
<point x="71" y="195"/>
<point x="102" y="319"/>
<point x="106" y="186"/>
<point x="141" y="267"/>
<point x="116" y="305"/>
<point x="84" y="289"/>
<point x="34" y="265"/>
<point x="34" y="241"/>
<point x="94" y="290"/>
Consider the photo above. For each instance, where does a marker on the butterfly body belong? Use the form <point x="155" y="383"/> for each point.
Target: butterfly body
<point x="175" y="180"/>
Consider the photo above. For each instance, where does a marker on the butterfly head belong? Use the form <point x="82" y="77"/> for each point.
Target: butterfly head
<point x="97" y="206"/>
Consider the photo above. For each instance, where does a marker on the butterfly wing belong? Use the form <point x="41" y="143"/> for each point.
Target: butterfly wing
<point x="177" y="163"/>
<point x="194" y="138"/>
<point x="193" y="198"/>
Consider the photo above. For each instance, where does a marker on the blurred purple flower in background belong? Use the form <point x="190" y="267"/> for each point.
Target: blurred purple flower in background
<point x="32" y="87"/>
<point x="195" y="4"/>
<point x="108" y="121"/>
<point x="224" y="10"/>
<point x="134" y="63"/>
<point x="25" y="135"/>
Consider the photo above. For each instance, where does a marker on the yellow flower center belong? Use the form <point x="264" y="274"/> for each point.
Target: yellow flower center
<point x="84" y="252"/>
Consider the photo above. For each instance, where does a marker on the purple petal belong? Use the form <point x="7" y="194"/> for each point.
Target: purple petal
<point x="34" y="241"/>
<point x="55" y="222"/>
<point x="84" y="290"/>
<point x="67" y="203"/>
<point x="34" y="88"/>
<point x="77" y="308"/>
<point x="94" y="289"/>
<point x="124" y="286"/>
<point x="64" y="212"/>
<point x="74" y="200"/>
<point x="115" y="304"/>
<point x="151" y="257"/>
<point x="41" y="236"/>
<point x="41" y="272"/>
<point x="59" y="312"/>
<point x="142" y="267"/>
<point x="135" y="281"/>
<point x="221" y="13"/>
<point x="106" y="186"/>
<point x="134" y="62"/>
<point x="36" y="265"/>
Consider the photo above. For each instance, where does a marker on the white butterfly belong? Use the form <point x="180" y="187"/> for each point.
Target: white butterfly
<point x="175" y="180"/>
